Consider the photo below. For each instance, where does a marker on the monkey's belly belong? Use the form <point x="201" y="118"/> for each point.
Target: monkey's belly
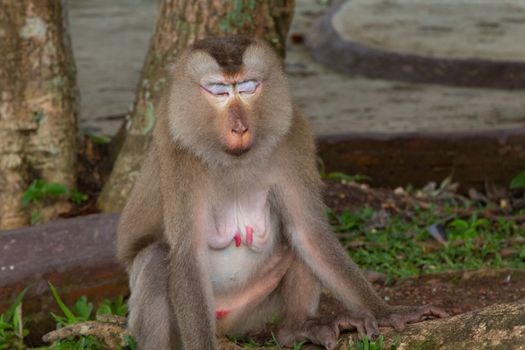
<point x="232" y="266"/>
<point x="254" y="277"/>
<point x="244" y="262"/>
<point x="241" y="221"/>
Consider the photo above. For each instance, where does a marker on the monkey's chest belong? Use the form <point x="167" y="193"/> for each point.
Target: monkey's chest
<point x="243" y="231"/>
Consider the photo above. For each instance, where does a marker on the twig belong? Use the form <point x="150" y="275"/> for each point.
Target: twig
<point x="108" y="328"/>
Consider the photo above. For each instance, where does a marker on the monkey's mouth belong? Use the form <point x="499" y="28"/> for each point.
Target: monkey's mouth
<point x="236" y="152"/>
<point x="236" y="144"/>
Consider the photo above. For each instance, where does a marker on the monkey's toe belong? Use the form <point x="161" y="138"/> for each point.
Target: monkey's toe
<point x="326" y="332"/>
<point x="402" y="315"/>
<point x="322" y="333"/>
<point x="365" y="324"/>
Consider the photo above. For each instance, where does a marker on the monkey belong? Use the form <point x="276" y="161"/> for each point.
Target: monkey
<point x="225" y="227"/>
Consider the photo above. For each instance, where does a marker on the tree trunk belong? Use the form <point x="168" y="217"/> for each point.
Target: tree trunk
<point x="38" y="104"/>
<point x="180" y="23"/>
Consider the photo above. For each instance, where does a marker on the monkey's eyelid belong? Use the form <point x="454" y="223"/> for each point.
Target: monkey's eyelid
<point x="248" y="86"/>
<point x="217" y="89"/>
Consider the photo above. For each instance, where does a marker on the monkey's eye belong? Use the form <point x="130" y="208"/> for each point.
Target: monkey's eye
<point x="247" y="87"/>
<point x="217" y="89"/>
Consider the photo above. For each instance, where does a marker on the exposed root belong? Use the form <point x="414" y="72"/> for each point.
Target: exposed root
<point x="110" y="329"/>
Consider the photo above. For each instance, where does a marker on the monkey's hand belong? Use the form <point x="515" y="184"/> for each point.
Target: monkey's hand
<point x="325" y="330"/>
<point x="398" y="316"/>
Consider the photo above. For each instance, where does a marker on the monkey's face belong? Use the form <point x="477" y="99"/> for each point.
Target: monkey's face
<point x="232" y="98"/>
<point x="229" y="100"/>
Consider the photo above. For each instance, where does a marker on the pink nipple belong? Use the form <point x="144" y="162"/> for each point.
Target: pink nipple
<point x="249" y="235"/>
<point x="237" y="239"/>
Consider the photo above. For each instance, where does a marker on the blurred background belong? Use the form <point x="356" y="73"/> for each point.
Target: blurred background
<point x="418" y="107"/>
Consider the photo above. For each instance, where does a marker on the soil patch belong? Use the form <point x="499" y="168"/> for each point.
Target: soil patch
<point x="457" y="292"/>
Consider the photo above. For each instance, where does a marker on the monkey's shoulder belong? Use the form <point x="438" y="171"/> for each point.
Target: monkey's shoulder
<point x="296" y="156"/>
<point x="300" y="136"/>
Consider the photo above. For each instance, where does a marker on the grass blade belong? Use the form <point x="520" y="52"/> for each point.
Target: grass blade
<point x="70" y="316"/>
<point x="11" y="311"/>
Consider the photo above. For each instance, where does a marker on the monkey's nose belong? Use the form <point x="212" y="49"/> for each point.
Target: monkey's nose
<point x="239" y="129"/>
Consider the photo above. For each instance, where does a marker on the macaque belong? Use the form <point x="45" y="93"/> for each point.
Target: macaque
<point x="225" y="228"/>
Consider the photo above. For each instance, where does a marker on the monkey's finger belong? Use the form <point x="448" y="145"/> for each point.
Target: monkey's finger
<point x="431" y="310"/>
<point x="322" y="334"/>
<point x="372" y="329"/>
<point x="330" y="344"/>
<point x="330" y="341"/>
<point x="422" y="312"/>
<point x="360" y="328"/>
<point x="345" y="322"/>
<point x="397" y="322"/>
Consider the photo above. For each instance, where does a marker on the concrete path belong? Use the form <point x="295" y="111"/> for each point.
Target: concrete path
<point x="483" y="29"/>
<point x="110" y="40"/>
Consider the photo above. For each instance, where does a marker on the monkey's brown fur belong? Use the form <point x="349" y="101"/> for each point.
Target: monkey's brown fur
<point x="225" y="227"/>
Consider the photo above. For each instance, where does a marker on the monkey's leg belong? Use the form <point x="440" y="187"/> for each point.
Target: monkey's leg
<point x="151" y="319"/>
<point x="301" y="292"/>
<point x="250" y="308"/>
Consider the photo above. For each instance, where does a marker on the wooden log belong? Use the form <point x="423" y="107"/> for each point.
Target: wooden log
<point x="472" y="158"/>
<point x="77" y="255"/>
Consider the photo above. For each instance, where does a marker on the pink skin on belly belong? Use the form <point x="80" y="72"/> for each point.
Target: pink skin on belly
<point x="220" y="314"/>
<point x="249" y="235"/>
<point x="258" y="289"/>
<point x="242" y="219"/>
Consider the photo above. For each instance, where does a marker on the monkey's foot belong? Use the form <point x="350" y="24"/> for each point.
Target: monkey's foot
<point x="399" y="316"/>
<point x="326" y="331"/>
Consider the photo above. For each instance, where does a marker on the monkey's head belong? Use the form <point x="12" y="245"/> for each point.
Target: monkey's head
<point x="229" y="100"/>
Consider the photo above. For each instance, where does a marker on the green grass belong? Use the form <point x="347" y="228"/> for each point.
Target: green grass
<point x="83" y="311"/>
<point x="13" y="326"/>
<point x="518" y="182"/>
<point x="41" y="191"/>
<point x="13" y="331"/>
<point x="367" y="344"/>
<point x="404" y="246"/>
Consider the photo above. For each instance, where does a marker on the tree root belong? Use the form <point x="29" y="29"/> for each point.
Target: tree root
<point x="110" y="329"/>
<point x="500" y="326"/>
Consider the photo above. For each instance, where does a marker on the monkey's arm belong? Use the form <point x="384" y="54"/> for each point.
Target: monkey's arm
<point x="184" y="211"/>
<point x="298" y="194"/>
<point x="311" y="237"/>
<point x="140" y="223"/>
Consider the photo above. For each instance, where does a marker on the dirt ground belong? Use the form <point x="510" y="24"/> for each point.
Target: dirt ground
<point x="457" y="292"/>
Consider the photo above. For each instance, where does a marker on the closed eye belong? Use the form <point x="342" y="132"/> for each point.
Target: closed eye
<point x="247" y="87"/>
<point x="217" y="89"/>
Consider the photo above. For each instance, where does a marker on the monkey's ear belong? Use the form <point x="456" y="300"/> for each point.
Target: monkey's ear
<point x="258" y="59"/>
<point x="200" y="64"/>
